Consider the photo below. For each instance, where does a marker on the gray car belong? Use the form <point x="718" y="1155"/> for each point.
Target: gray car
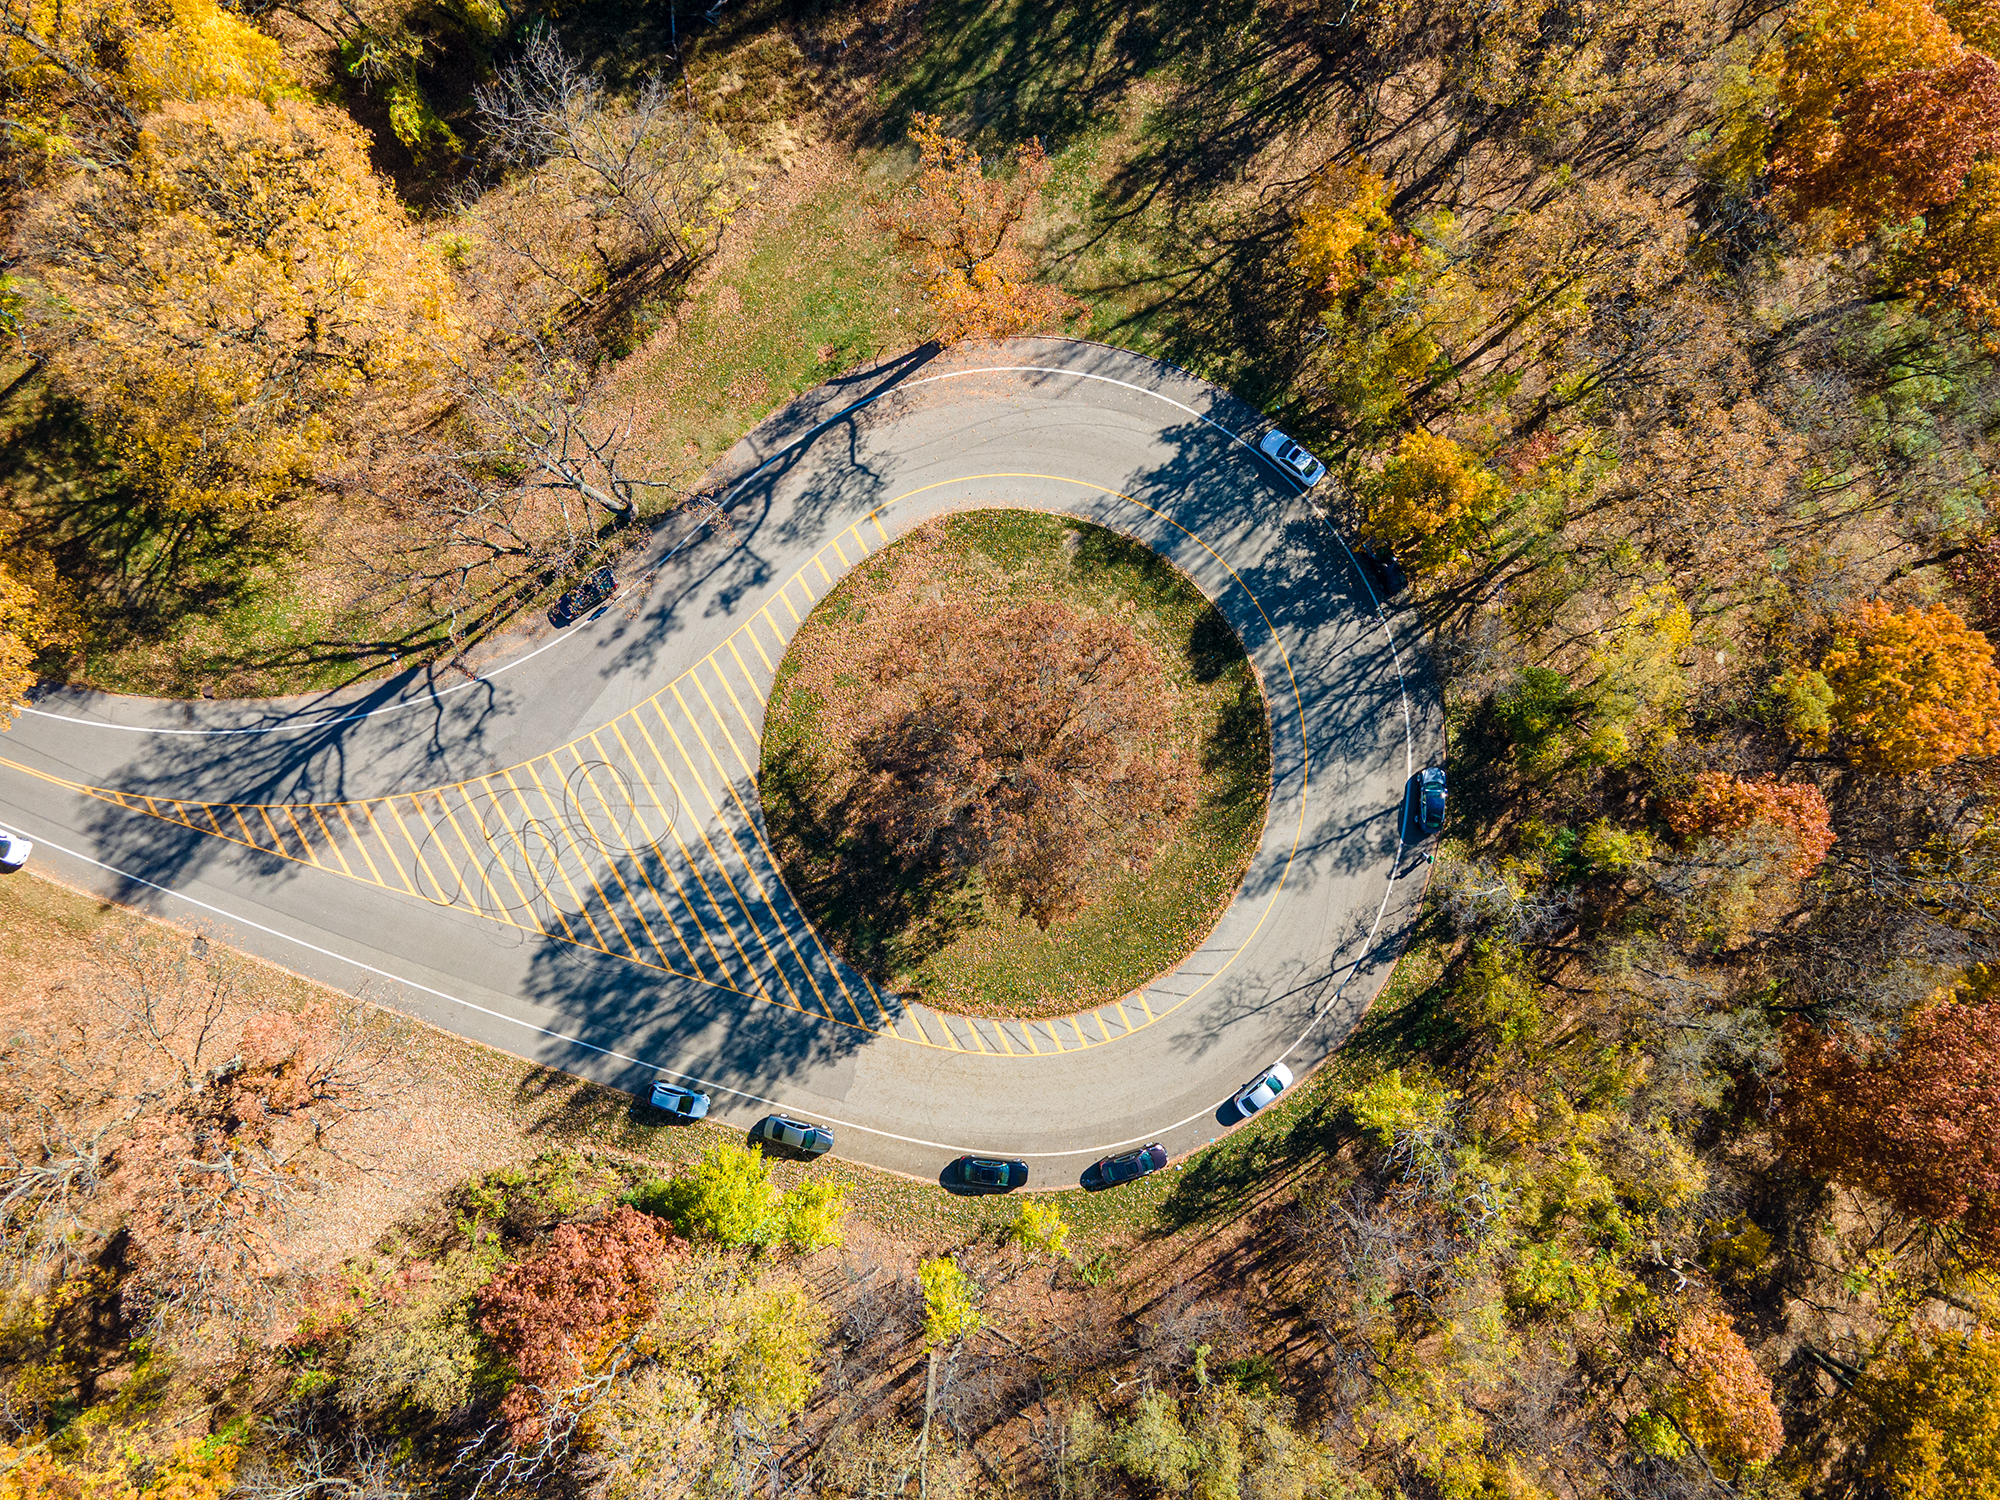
<point x="780" y="1130"/>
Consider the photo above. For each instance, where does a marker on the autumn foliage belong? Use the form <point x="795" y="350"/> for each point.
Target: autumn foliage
<point x="1917" y="1123"/>
<point x="1929" y="1416"/>
<point x="961" y="230"/>
<point x="1721" y="805"/>
<point x="556" y="1314"/>
<point x="1723" y="1400"/>
<point x="1913" y="688"/>
<point x="1022" y="746"/>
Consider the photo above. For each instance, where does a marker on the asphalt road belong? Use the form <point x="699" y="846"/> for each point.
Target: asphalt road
<point x="563" y="858"/>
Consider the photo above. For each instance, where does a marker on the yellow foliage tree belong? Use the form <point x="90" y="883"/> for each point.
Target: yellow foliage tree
<point x="1930" y="1415"/>
<point x="35" y="614"/>
<point x="1912" y="689"/>
<point x="1432" y="503"/>
<point x="216" y="300"/>
<point x="1349" y="204"/>
<point x="962" y="232"/>
<point x="77" y="77"/>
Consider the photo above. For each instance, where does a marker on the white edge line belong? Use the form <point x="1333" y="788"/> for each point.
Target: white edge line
<point x="1409" y="754"/>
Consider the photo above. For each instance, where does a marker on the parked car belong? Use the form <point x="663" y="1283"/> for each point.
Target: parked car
<point x="682" y="1103"/>
<point x="779" y="1130"/>
<point x="1290" y="457"/>
<point x="986" y="1172"/>
<point x="14" y="852"/>
<point x="1116" y="1169"/>
<point x="1261" y="1090"/>
<point x="586" y="596"/>
<point x="1430" y="799"/>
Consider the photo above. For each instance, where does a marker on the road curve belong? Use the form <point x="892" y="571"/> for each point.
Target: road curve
<point x="564" y="857"/>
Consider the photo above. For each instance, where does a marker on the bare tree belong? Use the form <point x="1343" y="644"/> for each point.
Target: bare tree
<point x="177" y="1102"/>
<point x="610" y="190"/>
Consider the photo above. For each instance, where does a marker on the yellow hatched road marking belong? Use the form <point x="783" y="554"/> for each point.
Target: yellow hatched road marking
<point x="694" y="867"/>
<point x="472" y="853"/>
<point x="389" y="850"/>
<point x="755" y="879"/>
<point x="612" y="861"/>
<point x="922" y="1035"/>
<point x="819" y="561"/>
<point x="332" y="842"/>
<point x="528" y="906"/>
<point x="568" y="846"/>
<point x="785" y="598"/>
<point x="716" y="808"/>
<point x="875" y="517"/>
<point x="749" y="682"/>
<point x="1098" y="1017"/>
<point x="845" y="562"/>
<point x="437" y="848"/>
<point x="304" y="842"/>
<point x="359" y="842"/>
<point x="1145" y="1005"/>
<point x="1124" y="1019"/>
<point x="416" y="849"/>
<point x="721" y="728"/>
<point x="569" y="932"/>
<point x="765" y="615"/>
<point x="273" y="827"/>
<point x="748" y="727"/>
<point x="680" y="892"/>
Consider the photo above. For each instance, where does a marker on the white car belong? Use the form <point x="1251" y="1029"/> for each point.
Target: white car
<point x="1293" y="459"/>
<point x="684" y="1104"/>
<point x="14" y="852"/>
<point x="1261" y="1090"/>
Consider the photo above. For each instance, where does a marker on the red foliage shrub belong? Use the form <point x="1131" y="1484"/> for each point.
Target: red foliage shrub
<point x="1722" y="804"/>
<point x="557" y="1312"/>
<point x="1917" y="1124"/>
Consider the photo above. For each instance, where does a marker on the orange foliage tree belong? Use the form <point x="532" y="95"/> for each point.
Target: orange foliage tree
<point x="558" y="1313"/>
<point x="1912" y="689"/>
<point x="1723" y="1400"/>
<point x="1722" y="804"/>
<point x="962" y="232"/>
<point x="1917" y="1124"/>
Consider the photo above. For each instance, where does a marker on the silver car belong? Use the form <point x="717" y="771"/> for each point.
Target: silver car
<point x="1262" y="1090"/>
<point x="683" y="1104"/>
<point x="814" y="1140"/>
<point x="1293" y="459"/>
<point x="14" y="852"/>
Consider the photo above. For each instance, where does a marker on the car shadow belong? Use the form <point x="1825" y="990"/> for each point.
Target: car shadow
<point x="1226" y="1115"/>
<point x="779" y="1151"/>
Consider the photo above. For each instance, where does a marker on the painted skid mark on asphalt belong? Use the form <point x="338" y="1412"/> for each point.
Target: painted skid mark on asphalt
<point x="635" y="840"/>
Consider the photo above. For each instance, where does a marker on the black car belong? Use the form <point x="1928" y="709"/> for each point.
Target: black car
<point x="1116" y="1169"/>
<point x="1430" y="799"/>
<point x="581" y="600"/>
<point x="986" y="1172"/>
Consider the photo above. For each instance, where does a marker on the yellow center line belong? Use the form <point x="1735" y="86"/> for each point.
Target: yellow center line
<point x="721" y="912"/>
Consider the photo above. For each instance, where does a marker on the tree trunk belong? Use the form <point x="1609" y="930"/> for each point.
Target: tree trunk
<point x="924" y="1437"/>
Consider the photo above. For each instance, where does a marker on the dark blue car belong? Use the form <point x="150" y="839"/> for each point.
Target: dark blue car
<point x="581" y="600"/>
<point x="987" y="1173"/>
<point x="1116" y="1169"/>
